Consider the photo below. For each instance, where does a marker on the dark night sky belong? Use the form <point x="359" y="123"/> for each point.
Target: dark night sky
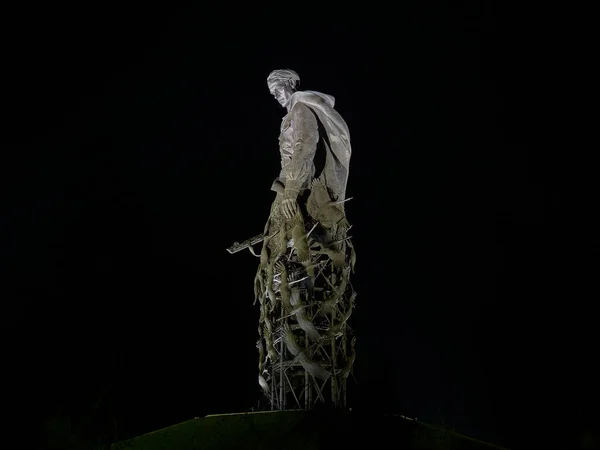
<point x="140" y="143"/>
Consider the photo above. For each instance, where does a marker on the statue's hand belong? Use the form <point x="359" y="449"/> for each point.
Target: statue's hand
<point x="289" y="207"/>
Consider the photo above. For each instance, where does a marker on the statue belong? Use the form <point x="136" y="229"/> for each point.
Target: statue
<point x="306" y="345"/>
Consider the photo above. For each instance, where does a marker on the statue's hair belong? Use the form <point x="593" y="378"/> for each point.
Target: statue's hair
<point x="286" y="76"/>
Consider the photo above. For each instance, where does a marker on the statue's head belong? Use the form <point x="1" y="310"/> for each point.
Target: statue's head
<point x="282" y="84"/>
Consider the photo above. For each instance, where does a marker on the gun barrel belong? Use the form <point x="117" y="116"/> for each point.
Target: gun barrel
<point x="237" y="246"/>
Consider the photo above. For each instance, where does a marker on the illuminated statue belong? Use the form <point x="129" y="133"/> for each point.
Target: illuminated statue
<point x="306" y="346"/>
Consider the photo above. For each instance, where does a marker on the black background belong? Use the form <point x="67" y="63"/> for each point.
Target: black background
<point x="141" y="142"/>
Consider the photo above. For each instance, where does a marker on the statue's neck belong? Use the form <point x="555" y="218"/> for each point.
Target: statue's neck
<point x="288" y="105"/>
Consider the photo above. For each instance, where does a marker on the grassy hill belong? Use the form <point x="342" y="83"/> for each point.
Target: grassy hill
<point x="306" y="430"/>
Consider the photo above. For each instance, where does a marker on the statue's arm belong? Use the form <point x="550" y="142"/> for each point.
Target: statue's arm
<point x="279" y="183"/>
<point x="278" y="186"/>
<point x="305" y="138"/>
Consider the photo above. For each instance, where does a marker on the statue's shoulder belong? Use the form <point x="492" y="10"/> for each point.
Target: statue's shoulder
<point x="313" y="99"/>
<point x="300" y="108"/>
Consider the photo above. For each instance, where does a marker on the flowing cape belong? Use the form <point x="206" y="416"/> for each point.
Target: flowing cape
<point x="337" y="162"/>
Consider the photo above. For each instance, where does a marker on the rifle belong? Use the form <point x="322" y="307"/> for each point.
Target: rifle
<point x="237" y="246"/>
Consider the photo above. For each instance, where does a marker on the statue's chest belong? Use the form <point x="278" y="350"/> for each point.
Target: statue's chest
<point x="286" y="136"/>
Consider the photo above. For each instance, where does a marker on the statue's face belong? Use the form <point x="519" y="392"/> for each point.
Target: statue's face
<point x="282" y="93"/>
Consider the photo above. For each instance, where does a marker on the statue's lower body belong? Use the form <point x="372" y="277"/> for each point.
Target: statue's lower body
<point x="306" y="345"/>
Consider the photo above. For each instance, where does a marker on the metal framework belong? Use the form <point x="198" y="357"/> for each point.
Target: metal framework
<point x="306" y="345"/>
